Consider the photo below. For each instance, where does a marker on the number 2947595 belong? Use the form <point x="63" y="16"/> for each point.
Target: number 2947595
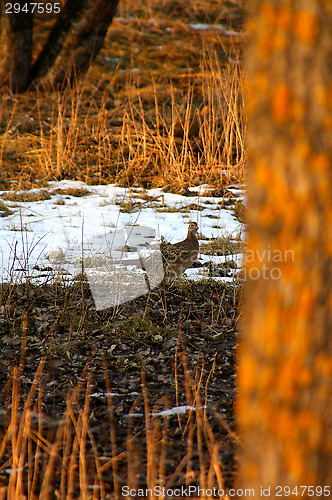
<point x="33" y="7"/>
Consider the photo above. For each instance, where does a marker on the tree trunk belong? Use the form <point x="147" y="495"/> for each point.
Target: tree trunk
<point x="72" y="45"/>
<point x="16" y="47"/>
<point x="74" y="41"/>
<point x="285" y="356"/>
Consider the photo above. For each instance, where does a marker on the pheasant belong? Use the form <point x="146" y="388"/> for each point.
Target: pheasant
<point x="179" y="256"/>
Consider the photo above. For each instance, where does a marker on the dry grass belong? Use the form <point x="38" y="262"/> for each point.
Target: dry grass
<point x="59" y="458"/>
<point x="226" y="245"/>
<point x="160" y="106"/>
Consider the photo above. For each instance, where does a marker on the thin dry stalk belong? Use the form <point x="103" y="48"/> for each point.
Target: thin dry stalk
<point x="133" y="452"/>
<point x="110" y="407"/>
<point x="150" y="448"/>
<point x="83" y="431"/>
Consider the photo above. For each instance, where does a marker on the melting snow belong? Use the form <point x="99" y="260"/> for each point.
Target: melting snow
<point x="59" y="231"/>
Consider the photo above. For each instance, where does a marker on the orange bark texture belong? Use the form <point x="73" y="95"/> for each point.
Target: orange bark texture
<point x="285" y="357"/>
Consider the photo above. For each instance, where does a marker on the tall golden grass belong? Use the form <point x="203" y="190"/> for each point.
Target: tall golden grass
<point x="148" y="127"/>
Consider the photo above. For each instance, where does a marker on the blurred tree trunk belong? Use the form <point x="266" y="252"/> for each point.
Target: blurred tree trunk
<point x="285" y="357"/>
<point x="74" y="41"/>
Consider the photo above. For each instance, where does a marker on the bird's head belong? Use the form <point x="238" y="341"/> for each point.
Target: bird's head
<point x="192" y="229"/>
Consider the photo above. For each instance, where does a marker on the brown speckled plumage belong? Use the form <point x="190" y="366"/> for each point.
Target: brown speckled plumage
<point x="179" y="256"/>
